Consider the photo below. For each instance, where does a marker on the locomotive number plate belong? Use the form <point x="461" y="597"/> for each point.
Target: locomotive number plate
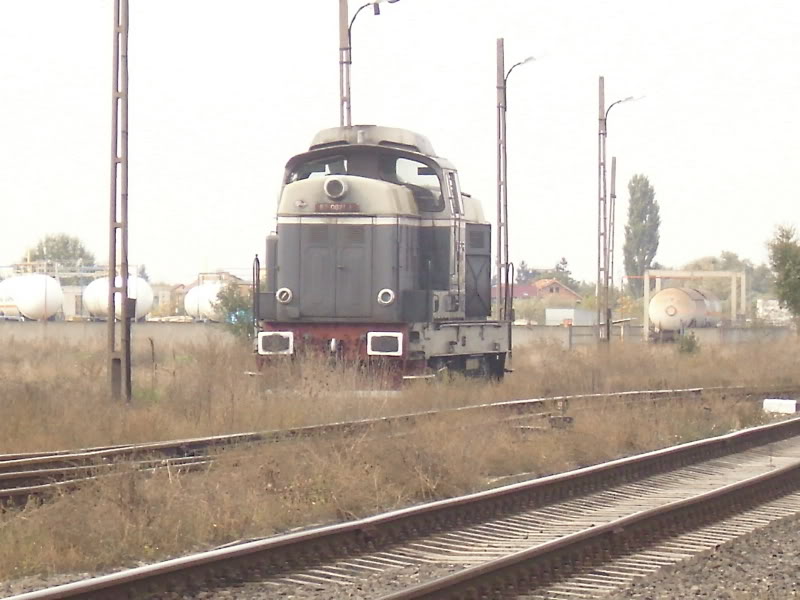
<point x="337" y="207"/>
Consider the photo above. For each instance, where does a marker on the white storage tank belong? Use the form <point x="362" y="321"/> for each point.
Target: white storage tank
<point x="35" y="296"/>
<point x="673" y="309"/>
<point x="95" y="297"/>
<point x="200" y="302"/>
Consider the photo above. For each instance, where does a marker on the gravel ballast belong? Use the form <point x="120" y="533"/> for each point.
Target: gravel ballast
<point x="762" y="565"/>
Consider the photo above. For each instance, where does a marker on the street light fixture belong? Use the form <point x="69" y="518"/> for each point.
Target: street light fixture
<point x="501" y="260"/>
<point x="346" y="55"/>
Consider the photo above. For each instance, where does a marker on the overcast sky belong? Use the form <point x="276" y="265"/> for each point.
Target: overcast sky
<point x="223" y="93"/>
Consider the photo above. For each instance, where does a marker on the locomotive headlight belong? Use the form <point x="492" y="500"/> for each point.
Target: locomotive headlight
<point x="386" y="297"/>
<point x="284" y="295"/>
<point x="334" y="187"/>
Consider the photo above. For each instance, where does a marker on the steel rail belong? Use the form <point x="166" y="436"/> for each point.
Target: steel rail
<point x="404" y="524"/>
<point x="518" y="573"/>
<point x="20" y="494"/>
<point x="184" y="447"/>
<point x="39" y="470"/>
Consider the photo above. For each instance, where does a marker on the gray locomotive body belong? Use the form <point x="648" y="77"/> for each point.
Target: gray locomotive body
<point x="379" y="255"/>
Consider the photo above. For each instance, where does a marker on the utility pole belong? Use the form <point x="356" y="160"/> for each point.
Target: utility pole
<point x="119" y="354"/>
<point x="612" y="210"/>
<point x="602" y="220"/>
<point x="344" y="66"/>
<point x="502" y="210"/>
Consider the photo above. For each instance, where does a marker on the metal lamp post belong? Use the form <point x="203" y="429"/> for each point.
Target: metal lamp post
<point x="501" y="260"/>
<point x="346" y="56"/>
<point x="605" y="220"/>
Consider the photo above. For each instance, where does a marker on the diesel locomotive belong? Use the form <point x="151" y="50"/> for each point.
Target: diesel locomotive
<point x="379" y="257"/>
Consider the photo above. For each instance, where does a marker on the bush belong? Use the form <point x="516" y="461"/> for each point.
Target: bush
<point x="236" y="309"/>
<point x="688" y="344"/>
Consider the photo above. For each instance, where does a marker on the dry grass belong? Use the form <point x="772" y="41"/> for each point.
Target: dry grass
<point x="129" y="518"/>
<point x="55" y="397"/>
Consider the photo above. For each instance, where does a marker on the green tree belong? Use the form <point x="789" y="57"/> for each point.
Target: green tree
<point x="524" y="274"/>
<point x="236" y="309"/>
<point x="641" y="232"/>
<point x="784" y="258"/>
<point x="759" y="278"/>
<point x="61" y="248"/>
<point x="562" y="273"/>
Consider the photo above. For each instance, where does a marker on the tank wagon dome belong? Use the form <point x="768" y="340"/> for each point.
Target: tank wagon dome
<point x="200" y="302"/>
<point x="373" y="135"/>
<point x="672" y="309"/>
<point x="95" y="297"/>
<point x="34" y="296"/>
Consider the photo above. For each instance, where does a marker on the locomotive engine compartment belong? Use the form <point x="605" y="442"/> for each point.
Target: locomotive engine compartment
<point x="378" y="254"/>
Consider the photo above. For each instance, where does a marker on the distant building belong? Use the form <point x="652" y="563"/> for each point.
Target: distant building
<point x="551" y="289"/>
<point x="770" y="311"/>
<point x="569" y="316"/>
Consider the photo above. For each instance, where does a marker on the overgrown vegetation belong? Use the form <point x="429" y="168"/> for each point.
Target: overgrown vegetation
<point x="53" y="396"/>
<point x="236" y="309"/>
<point x="688" y="343"/>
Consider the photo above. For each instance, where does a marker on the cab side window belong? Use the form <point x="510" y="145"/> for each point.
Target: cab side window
<point x="418" y="177"/>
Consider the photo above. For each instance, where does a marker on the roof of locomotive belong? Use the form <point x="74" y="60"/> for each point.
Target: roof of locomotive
<point x="373" y="135"/>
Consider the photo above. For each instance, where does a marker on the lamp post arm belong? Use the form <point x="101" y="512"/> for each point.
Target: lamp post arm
<point x="350" y="27"/>
<point x="353" y="20"/>
<point x="612" y="105"/>
<point x="508" y="74"/>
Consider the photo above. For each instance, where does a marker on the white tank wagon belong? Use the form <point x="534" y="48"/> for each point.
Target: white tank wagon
<point x="37" y="297"/>
<point x="95" y="297"/>
<point x="674" y="309"/>
<point x="201" y="302"/>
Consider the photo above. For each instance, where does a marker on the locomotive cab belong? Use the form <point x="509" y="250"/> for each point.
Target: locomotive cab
<point x="376" y="246"/>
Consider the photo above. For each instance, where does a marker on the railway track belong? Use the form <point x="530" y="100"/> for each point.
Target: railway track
<point x="44" y="474"/>
<point x="578" y="534"/>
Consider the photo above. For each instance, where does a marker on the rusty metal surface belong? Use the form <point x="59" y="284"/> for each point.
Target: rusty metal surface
<point x="396" y="526"/>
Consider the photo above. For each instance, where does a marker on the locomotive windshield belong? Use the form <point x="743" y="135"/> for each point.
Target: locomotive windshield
<point x="419" y="177"/>
<point x="319" y="167"/>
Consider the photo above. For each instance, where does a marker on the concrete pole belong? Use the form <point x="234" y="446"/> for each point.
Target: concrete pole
<point x="733" y="298"/>
<point x="501" y="112"/>
<point x="646" y="304"/>
<point x="743" y="296"/>
<point x="610" y="245"/>
<point x="119" y="363"/>
<point x="612" y="221"/>
<point x="344" y="66"/>
<point x="602" y="250"/>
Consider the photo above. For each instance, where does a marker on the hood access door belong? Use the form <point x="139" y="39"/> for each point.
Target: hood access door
<point x="336" y="270"/>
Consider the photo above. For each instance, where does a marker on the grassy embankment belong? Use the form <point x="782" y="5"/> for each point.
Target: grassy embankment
<point x="55" y="397"/>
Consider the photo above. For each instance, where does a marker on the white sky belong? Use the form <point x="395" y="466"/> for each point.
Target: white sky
<point x="223" y="93"/>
